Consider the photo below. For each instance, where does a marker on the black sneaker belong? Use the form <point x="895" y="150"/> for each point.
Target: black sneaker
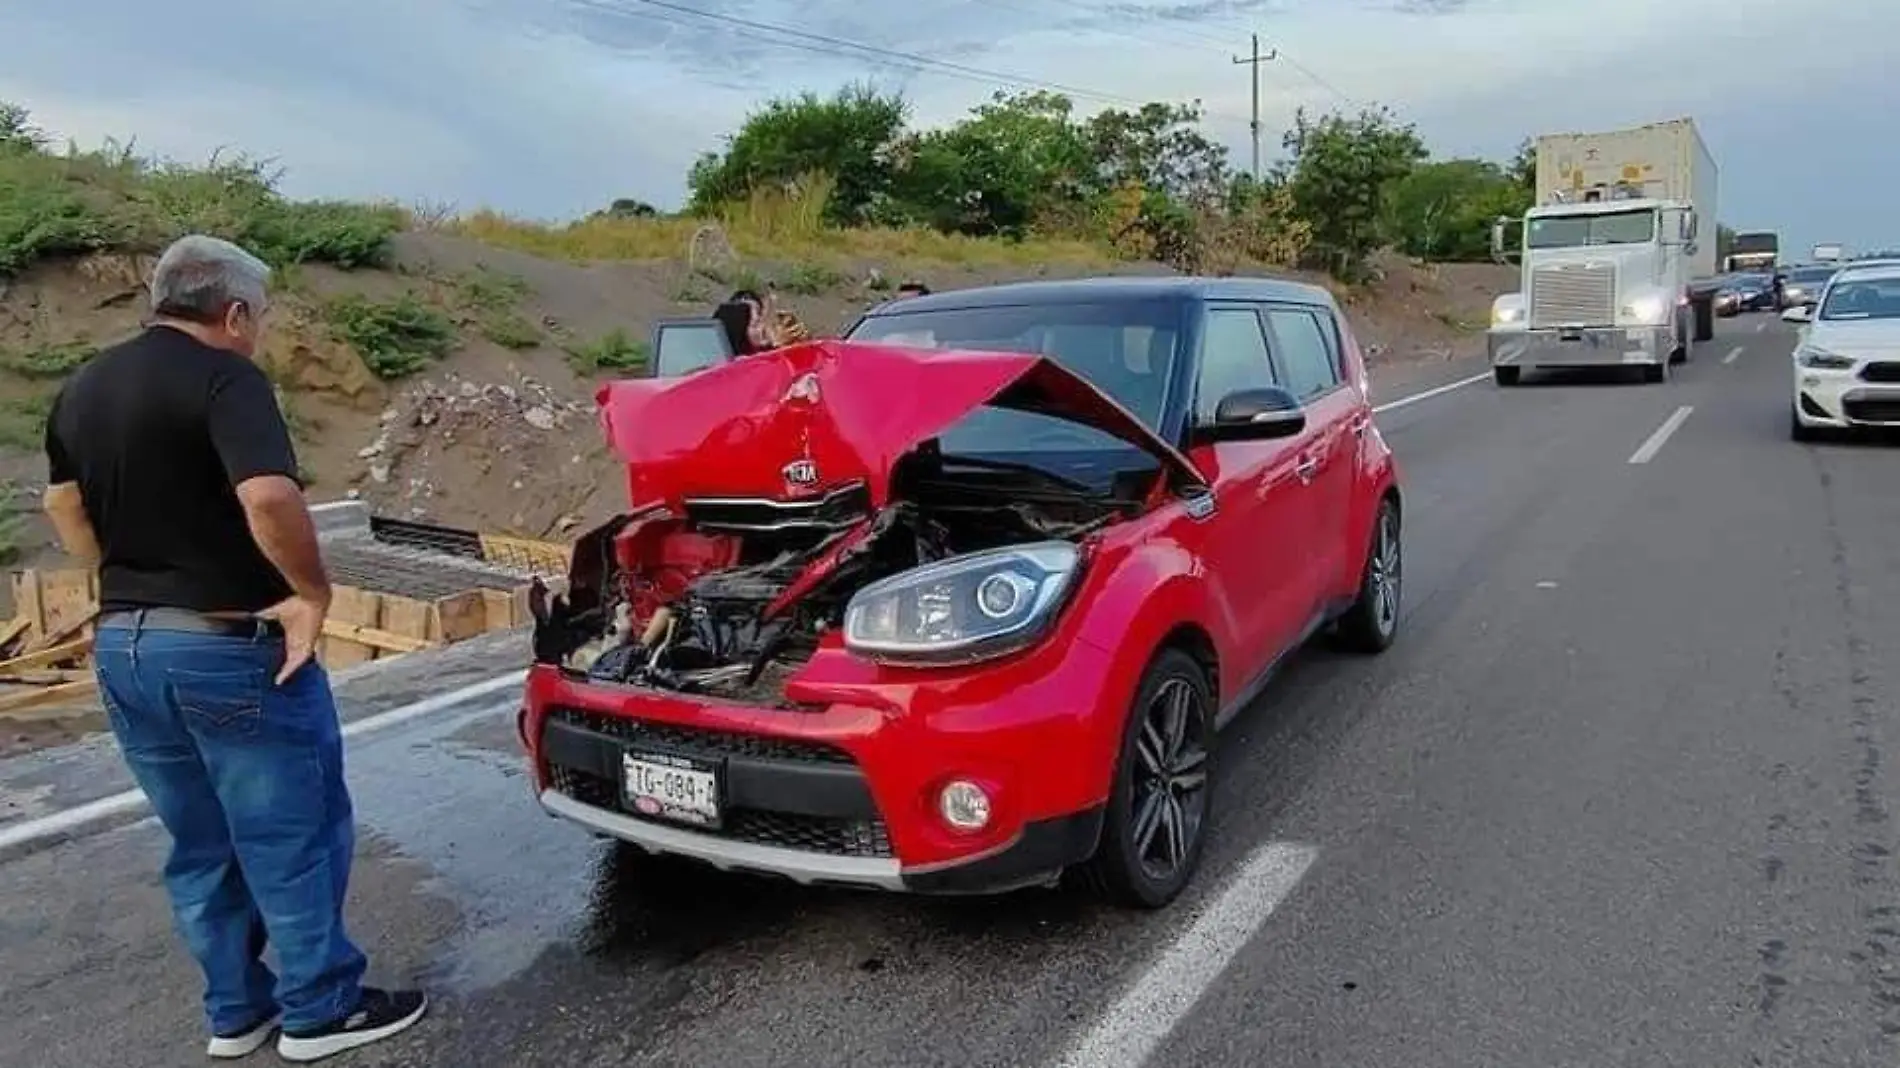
<point x="242" y="1043"/>
<point x="379" y="1015"/>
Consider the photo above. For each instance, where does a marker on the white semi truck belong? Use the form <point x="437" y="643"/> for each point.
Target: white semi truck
<point x="1622" y="229"/>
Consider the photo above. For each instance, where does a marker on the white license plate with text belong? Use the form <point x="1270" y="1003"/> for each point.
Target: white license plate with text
<point x="671" y="788"/>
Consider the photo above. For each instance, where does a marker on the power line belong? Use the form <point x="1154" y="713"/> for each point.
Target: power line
<point x="795" y="38"/>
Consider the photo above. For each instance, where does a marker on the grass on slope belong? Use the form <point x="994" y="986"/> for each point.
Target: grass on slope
<point x="54" y="204"/>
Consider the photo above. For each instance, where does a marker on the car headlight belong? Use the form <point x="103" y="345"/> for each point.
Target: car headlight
<point x="1507" y="310"/>
<point x="1650" y="308"/>
<point x="970" y="607"/>
<point x="1822" y="360"/>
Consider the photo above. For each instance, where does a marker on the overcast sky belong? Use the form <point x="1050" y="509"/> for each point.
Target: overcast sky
<point x="551" y="108"/>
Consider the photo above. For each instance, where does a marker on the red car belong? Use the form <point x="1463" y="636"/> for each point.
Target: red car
<point x="958" y="604"/>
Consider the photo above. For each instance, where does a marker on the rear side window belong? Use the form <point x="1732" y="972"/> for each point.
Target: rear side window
<point x="1306" y="352"/>
<point x="681" y="348"/>
<point x="1233" y="357"/>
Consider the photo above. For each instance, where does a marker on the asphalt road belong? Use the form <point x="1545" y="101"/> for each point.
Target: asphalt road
<point x="1620" y="795"/>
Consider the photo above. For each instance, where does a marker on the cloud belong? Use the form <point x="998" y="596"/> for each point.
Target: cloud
<point x="553" y="107"/>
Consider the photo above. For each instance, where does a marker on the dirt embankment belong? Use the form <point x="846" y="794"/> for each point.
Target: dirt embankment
<point x="499" y="434"/>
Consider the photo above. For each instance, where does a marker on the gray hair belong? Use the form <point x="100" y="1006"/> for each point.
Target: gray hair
<point x="198" y="277"/>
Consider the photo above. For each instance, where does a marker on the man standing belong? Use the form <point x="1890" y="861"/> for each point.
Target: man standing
<point x="171" y="469"/>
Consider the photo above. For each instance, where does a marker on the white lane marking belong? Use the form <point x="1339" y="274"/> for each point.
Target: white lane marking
<point x="1141" y="1019"/>
<point x="1648" y="450"/>
<point x="1761" y="326"/>
<point x="69" y="819"/>
<point x="1732" y="354"/>
<point x="1436" y="391"/>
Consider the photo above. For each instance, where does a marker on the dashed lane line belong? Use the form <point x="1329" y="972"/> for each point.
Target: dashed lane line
<point x="1647" y="450"/>
<point x="1732" y="354"/>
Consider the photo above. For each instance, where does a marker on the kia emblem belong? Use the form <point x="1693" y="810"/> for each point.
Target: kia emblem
<point x="801" y="473"/>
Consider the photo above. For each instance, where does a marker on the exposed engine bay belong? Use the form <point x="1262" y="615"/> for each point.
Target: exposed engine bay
<point x="728" y="597"/>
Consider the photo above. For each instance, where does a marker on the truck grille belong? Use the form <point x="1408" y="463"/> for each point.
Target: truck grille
<point x="1573" y="295"/>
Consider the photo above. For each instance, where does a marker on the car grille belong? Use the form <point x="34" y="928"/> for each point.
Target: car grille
<point x="1884" y="410"/>
<point x="838" y="836"/>
<point x="836" y="510"/>
<point x="705" y="744"/>
<point x="1881" y="372"/>
<point x="1573" y="295"/>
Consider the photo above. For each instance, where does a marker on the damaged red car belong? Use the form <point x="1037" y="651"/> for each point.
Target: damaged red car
<point x="959" y="603"/>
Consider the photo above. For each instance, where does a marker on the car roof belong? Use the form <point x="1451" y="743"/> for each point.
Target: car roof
<point x="1868" y="269"/>
<point x="1112" y="288"/>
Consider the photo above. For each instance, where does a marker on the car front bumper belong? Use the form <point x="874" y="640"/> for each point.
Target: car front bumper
<point x="1848" y="399"/>
<point x="845" y="794"/>
<point x="1587" y="347"/>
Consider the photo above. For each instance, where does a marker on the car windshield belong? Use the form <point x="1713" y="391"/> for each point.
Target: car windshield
<point x="1863" y="298"/>
<point x="1613" y="228"/>
<point x="1124" y="348"/>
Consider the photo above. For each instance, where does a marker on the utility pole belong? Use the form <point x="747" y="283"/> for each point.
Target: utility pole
<point x="1254" y="62"/>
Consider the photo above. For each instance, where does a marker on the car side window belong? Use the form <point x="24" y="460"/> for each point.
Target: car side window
<point x="1233" y="357"/>
<point x="1305" y="353"/>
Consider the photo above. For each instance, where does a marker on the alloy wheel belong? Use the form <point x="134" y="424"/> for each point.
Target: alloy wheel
<point x="1170" y="782"/>
<point x="1386" y="572"/>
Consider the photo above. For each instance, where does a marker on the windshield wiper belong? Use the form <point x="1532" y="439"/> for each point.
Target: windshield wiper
<point x="984" y="463"/>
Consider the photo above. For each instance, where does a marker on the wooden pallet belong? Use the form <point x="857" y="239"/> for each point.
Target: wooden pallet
<point x="46" y="651"/>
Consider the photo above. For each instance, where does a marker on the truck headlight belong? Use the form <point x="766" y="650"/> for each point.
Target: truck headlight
<point x="1507" y="310"/>
<point x="970" y="607"/>
<point x="1649" y="309"/>
<point x="1822" y="360"/>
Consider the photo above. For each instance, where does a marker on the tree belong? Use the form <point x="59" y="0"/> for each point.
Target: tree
<point x="17" y="132"/>
<point x="1016" y="160"/>
<point x="846" y="137"/>
<point x="1523" y="167"/>
<point x="1339" y="171"/>
<point x="1443" y="210"/>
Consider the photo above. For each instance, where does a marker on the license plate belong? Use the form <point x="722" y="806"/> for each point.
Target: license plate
<point x="673" y="788"/>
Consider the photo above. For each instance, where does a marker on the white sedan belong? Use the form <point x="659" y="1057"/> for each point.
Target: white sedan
<point x="1847" y="363"/>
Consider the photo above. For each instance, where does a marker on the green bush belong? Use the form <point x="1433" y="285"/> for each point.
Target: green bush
<point x="12" y="528"/>
<point x="509" y="330"/>
<point x="48" y="361"/>
<point x="61" y="204"/>
<point x="23" y="423"/>
<point x="395" y="338"/>
<point x="812" y="279"/>
<point x="616" y="351"/>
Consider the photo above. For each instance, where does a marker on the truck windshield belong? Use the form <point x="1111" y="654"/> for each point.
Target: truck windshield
<point x="1570" y="231"/>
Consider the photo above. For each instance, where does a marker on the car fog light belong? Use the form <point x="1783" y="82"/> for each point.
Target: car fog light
<point x="964" y="806"/>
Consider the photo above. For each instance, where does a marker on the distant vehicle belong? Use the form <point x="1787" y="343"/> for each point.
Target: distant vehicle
<point x="1847" y="365"/>
<point x="1804" y="284"/>
<point x="1757" y="250"/>
<point x="1753" y="292"/>
<point x="1828" y="254"/>
<point x="1611" y="255"/>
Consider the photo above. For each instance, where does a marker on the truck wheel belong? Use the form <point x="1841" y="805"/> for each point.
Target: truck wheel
<point x="1656" y="372"/>
<point x="1704" y="319"/>
<point x="1507" y="376"/>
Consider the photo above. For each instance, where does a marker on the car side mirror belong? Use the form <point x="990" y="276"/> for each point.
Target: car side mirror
<point x="1800" y="313"/>
<point x="1260" y="414"/>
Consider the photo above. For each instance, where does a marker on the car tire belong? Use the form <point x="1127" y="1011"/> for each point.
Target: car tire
<point x="1120" y="871"/>
<point x="1799" y="431"/>
<point x="1372" y="623"/>
<point x="1507" y="376"/>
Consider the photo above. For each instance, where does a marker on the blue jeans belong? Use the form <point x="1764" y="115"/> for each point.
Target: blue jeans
<point x="247" y="776"/>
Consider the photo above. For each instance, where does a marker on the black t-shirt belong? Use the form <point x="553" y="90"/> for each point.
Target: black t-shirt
<point x="157" y="432"/>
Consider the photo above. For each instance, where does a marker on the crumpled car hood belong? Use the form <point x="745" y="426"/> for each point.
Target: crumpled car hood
<point x="812" y="417"/>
